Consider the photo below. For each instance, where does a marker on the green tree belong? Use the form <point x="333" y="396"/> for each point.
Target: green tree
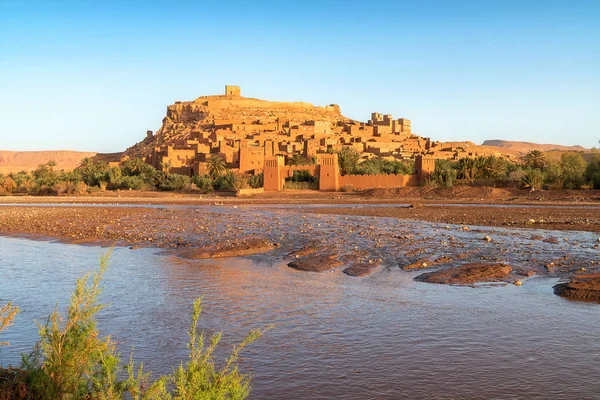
<point x="348" y="160"/>
<point x="215" y="166"/>
<point x="592" y="172"/>
<point x="143" y="173"/>
<point x="468" y="169"/>
<point x="573" y="170"/>
<point x="93" y="172"/>
<point x="444" y="174"/>
<point x="533" y="178"/>
<point x="535" y="159"/>
<point x="554" y="175"/>
<point x="298" y="159"/>
<point x="44" y="174"/>
<point x="493" y="168"/>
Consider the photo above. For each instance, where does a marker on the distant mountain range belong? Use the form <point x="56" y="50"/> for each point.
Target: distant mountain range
<point x="14" y="161"/>
<point x="522" y="148"/>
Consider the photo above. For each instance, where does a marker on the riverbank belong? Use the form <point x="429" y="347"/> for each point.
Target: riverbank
<point x="422" y="195"/>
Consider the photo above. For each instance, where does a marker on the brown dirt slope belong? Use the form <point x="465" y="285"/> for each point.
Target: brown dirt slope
<point x="14" y="161"/>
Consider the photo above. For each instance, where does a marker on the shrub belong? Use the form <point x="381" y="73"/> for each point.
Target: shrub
<point x="533" y="178"/>
<point x="203" y="182"/>
<point x="302" y="176"/>
<point x="301" y="185"/>
<point x="256" y="181"/>
<point x="8" y="184"/>
<point x="60" y="187"/>
<point x="592" y="172"/>
<point x="297" y="159"/>
<point x="72" y="361"/>
<point x="347" y="188"/>
<point x="221" y="183"/>
<point x="7" y="316"/>
<point x="77" y="188"/>
<point x="573" y="170"/>
<point x="26" y="187"/>
<point x="174" y="182"/>
<point x="236" y="181"/>
<point x="515" y="178"/>
<point x="444" y="174"/>
<point x="132" y="183"/>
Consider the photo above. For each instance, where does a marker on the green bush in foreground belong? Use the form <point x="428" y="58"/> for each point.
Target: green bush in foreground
<point x="72" y="361"/>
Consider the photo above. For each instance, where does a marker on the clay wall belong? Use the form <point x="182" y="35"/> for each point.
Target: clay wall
<point x="251" y="157"/>
<point x="405" y="126"/>
<point x="361" y="182"/>
<point x="413" y="145"/>
<point x="310" y="148"/>
<point x="382" y="130"/>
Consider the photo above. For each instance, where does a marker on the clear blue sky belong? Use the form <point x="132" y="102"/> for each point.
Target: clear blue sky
<point x="95" y="76"/>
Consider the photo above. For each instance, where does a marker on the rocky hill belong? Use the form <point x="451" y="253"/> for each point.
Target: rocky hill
<point x="184" y="118"/>
<point x="14" y="161"/>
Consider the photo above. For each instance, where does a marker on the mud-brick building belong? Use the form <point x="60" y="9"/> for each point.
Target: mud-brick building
<point x="328" y="171"/>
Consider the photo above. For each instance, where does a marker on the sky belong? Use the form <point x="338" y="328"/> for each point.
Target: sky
<point x="94" y="76"/>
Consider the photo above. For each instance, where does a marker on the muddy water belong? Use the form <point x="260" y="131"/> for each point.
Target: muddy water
<point x="383" y="336"/>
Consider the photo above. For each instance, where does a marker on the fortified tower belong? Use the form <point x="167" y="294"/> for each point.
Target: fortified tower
<point x="232" y="90"/>
<point x="329" y="172"/>
<point x="425" y="165"/>
<point x="272" y="174"/>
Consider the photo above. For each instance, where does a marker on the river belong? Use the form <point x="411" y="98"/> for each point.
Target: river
<point x="384" y="336"/>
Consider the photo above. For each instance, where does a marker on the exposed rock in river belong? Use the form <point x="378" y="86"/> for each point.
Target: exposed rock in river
<point x="420" y="263"/>
<point x="468" y="274"/>
<point x="361" y="268"/>
<point x="236" y="249"/>
<point x="581" y="287"/>
<point x="316" y="263"/>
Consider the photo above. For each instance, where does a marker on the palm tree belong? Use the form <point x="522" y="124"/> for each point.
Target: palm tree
<point x="535" y="159"/>
<point x="215" y="165"/>
<point x="348" y="160"/>
<point x="468" y="169"/>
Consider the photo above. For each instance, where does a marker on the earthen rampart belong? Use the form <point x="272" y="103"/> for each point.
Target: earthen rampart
<point x="360" y="182"/>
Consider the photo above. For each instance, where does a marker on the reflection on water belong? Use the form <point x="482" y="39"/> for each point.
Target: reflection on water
<point x="384" y="336"/>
